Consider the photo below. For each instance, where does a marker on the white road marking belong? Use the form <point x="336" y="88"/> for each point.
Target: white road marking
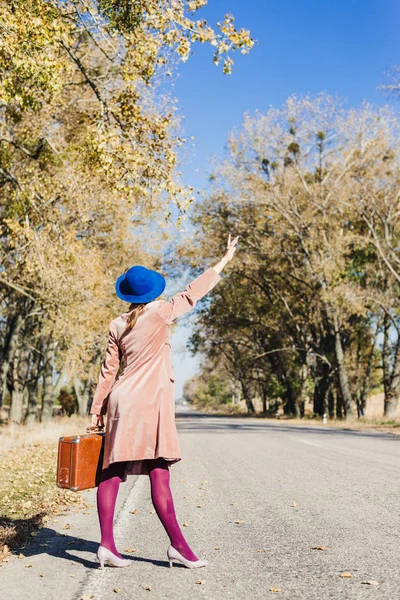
<point x="309" y="443"/>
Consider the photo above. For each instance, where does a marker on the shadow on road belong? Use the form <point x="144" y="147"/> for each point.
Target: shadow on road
<point x="52" y="543"/>
<point x="192" y="421"/>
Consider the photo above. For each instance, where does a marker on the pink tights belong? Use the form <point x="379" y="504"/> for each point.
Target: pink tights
<point x="161" y="496"/>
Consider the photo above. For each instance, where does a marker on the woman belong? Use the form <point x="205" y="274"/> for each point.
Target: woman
<point x="140" y="434"/>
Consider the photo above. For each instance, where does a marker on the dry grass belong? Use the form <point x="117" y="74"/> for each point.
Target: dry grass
<point x="28" y="491"/>
<point x="17" y="436"/>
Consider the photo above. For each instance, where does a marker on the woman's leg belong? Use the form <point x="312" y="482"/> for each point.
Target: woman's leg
<point x="107" y="493"/>
<point x="163" y="503"/>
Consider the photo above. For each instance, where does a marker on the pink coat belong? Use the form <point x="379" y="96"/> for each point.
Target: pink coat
<point x="140" y="403"/>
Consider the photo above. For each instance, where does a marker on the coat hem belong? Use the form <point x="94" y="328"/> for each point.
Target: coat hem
<point x="138" y="466"/>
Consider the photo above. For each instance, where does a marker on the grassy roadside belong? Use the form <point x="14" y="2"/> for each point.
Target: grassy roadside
<point x="28" y="492"/>
<point x="390" y="426"/>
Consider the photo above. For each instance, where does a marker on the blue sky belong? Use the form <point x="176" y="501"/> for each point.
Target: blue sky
<point x="336" y="46"/>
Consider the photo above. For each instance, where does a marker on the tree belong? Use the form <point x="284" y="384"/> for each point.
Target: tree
<point x="89" y="142"/>
<point x="312" y="189"/>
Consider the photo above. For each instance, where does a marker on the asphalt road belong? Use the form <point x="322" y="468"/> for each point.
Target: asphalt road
<point x="257" y="497"/>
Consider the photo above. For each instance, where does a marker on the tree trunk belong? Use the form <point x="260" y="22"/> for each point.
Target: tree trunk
<point x="21" y="357"/>
<point x="321" y="390"/>
<point x="236" y="392"/>
<point x="31" y="414"/>
<point x="342" y="372"/>
<point x="367" y="381"/>
<point x="48" y="390"/>
<point x="331" y="395"/>
<point x="246" y="396"/>
<point x="386" y="354"/>
<point x="346" y="399"/>
<point x="290" y="407"/>
<point x="16" y="406"/>
<point x="339" y="403"/>
<point x="59" y="383"/>
<point x="303" y="389"/>
<point x="265" y="399"/>
<point x="358" y="376"/>
<point x="82" y="394"/>
<point x="390" y="405"/>
<point x="393" y="390"/>
<point x="9" y="351"/>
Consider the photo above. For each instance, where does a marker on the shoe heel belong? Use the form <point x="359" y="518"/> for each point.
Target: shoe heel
<point x="101" y="563"/>
<point x="170" y="562"/>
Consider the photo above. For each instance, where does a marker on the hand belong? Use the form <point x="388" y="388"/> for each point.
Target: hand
<point x="231" y="247"/>
<point x="97" y="421"/>
<point x="230" y="251"/>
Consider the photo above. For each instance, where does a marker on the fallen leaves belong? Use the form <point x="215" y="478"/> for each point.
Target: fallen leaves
<point x="185" y="524"/>
<point x="240" y="522"/>
<point x="260" y="550"/>
<point x="147" y="588"/>
<point x="370" y="582"/>
<point x="345" y="574"/>
<point x="274" y="590"/>
<point x="200" y="581"/>
<point x="117" y="590"/>
<point x="318" y="547"/>
<point x="133" y="512"/>
<point x="28" y="494"/>
<point x="217" y="548"/>
<point x="129" y="550"/>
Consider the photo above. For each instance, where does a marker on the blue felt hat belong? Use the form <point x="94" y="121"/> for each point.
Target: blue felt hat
<point x="139" y="284"/>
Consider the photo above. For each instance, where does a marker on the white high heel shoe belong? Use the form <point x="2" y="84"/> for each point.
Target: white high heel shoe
<point x="173" y="554"/>
<point x="105" y="555"/>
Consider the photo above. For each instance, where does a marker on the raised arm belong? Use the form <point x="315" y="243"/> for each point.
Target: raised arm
<point x="184" y="301"/>
<point x="108" y="372"/>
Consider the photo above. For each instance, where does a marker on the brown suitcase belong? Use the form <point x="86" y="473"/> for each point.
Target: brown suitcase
<point x="80" y="458"/>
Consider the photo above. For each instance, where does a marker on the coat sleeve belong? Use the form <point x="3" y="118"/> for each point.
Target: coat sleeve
<point x="184" y="301"/>
<point x="107" y="375"/>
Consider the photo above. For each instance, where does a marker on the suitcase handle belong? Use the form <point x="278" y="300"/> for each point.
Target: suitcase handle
<point x="94" y="428"/>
